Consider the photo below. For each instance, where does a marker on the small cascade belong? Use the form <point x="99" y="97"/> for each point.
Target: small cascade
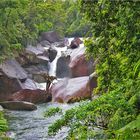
<point x="52" y="70"/>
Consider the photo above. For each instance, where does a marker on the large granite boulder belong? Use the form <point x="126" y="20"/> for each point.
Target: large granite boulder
<point x="36" y="60"/>
<point x="34" y="72"/>
<point x="30" y="84"/>
<point x="8" y="86"/>
<point x="11" y="76"/>
<point x="75" y="43"/>
<point x="75" y="89"/>
<point x="12" y="79"/>
<point x="45" y="44"/>
<point x="51" y="37"/>
<point x="79" y="65"/>
<point x="36" y="55"/>
<point x="33" y="96"/>
<point x="52" y="53"/>
<point x="12" y="69"/>
<point x="62" y="67"/>
<point x="18" y="105"/>
<point x="33" y="56"/>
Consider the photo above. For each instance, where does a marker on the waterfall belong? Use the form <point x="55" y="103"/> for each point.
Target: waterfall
<point x="60" y="51"/>
<point x="52" y="70"/>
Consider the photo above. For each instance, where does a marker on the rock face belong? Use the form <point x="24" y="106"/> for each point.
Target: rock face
<point x="79" y="65"/>
<point x="12" y="74"/>
<point x="73" y="63"/>
<point x="33" y="96"/>
<point x="75" y="43"/>
<point x="36" y="55"/>
<point x="9" y="85"/>
<point x="45" y="43"/>
<point x="18" y="105"/>
<point x="29" y="84"/>
<point x="51" y="37"/>
<point x="34" y="72"/>
<point x="36" y="60"/>
<point x="13" y="78"/>
<point x="52" y="54"/>
<point x="12" y="69"/>
<point x="70" y="90"/>
<point x="62" y="67"/>
<point x="33" y="56"/>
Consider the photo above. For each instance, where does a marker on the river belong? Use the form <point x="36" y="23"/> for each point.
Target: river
<point x="32" y="125"/>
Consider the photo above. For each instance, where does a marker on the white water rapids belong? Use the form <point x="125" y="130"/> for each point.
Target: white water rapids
<point x="25" y="125"/>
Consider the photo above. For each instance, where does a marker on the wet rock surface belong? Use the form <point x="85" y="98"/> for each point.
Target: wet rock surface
<point x="33" y="96"/>
<point x="75" y="43"/>
<point x="36" y="60"/>
<point x="12" y="69"/>
<point x="71" y="90"/>
<point x="52" y="53"/>
<point x="30" y="84"/>
<point x="51" y="37"/>
<point x="36" y="55"/>
<point x="18" y="105"/>
<point x="34" y="72"/>
<point x="62" y="67"/>
<point x="8" y="86"/>
<point x="79" y="65"/>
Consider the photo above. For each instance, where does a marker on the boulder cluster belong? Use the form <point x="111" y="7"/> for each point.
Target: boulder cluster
<point x="20" y="77"/>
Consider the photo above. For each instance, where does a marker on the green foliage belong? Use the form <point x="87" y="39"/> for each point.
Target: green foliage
<point x="115" y="40"/>
<point x="52" y="111"/>
<point x="110" y="112"/>
<point x="3" y="125"/>
<point x="116" y="43"/>
<point x="17" y="25"/>
<point x="22" y="21"/>
<point x="55" y="127"/>
<point x="130" y="131"/>
<point x="76" y="24"/>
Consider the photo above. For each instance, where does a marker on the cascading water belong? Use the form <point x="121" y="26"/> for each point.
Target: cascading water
<point x="33" y="125"/>
<point x="52" y="70"/>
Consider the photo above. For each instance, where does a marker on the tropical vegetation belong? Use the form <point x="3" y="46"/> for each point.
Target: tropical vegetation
<point x="3" y="126"/>
<point x="52" y="111"/>
<point x="114" y="39"/>
<point x="115" y="42"/>
<point x="22" y="21"/>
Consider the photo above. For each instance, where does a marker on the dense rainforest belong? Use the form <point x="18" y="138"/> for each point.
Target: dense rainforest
<point x="22" y="21"/>
<point x="116" y="43"/>
<point x="114" y="30"/>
